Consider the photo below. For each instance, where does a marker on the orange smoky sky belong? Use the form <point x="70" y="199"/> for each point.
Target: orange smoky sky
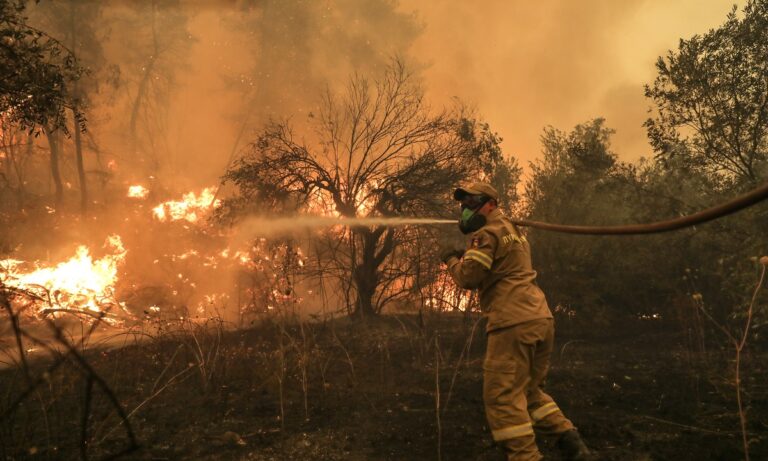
<point x="523" y="65"/>
<point x="526" y="65"/>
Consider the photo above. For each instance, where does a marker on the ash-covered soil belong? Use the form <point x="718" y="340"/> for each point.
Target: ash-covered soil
<point x="369" y="391"/>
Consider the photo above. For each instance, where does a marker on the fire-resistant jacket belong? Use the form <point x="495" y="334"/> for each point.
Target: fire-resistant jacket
<point x="497" y="261"/>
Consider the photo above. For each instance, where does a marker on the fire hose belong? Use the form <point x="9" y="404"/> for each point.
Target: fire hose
<point x="739" y="203"/>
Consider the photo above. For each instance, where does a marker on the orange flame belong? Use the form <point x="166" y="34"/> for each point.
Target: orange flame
<point x="443" y="294"/>
<point x="190" y="208"/>
<point x="80" y="283"/>
<point x="138" y="191"/>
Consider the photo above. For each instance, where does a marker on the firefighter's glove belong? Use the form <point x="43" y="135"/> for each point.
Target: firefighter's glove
<point x="450" y="247"/>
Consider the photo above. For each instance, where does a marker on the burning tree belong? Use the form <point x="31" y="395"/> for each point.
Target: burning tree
<point x="376" y="151"/>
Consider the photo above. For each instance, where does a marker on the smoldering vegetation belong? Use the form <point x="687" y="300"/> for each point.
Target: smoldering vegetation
<point x="219" y="227"/>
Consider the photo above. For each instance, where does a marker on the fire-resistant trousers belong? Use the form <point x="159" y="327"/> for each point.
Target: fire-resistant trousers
<point x="516" y="362"/>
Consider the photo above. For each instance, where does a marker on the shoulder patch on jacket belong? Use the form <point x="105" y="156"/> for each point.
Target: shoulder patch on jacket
<point x="482" y="237"/>
<point x="480" y="249"/>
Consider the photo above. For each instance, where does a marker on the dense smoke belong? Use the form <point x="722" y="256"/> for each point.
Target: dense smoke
<point x="210" y="73"/>
<point x="531" y="64"/>
<point x="175" y="91"/>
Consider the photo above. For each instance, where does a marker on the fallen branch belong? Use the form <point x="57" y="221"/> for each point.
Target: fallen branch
<point x="147" y="400"/>
<point x="97" y="315"/>
<point x="691" y="428"/>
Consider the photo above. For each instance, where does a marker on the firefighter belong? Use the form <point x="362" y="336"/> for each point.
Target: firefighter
<point x="520" y="329"/>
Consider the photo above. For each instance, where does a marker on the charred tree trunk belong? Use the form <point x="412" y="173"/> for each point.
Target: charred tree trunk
<point x="21" y="175"/>
<point x="13" y="167"/>
<point x="80" y="166"/>
<point x="53" y="143"/>
<point x="76" y="117"/>
<point x="143" y="85"/>
<point x="17" y="160"/>
<point x="366" y="280"/>
<point x="137" y="101"/>
<point x="5" y="177"/>
<point x="366" y="274"/>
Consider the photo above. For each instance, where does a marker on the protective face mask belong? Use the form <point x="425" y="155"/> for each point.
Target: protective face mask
<point x="470" y="220"/>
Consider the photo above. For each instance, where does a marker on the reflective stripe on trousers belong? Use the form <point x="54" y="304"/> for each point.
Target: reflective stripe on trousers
<point x="516" y="361"/>
<point x="544" y="411"/>
<point x="511" y="432"/>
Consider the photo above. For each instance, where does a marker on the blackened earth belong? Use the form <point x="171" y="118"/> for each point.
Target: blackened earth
<point x="372" y="390"/>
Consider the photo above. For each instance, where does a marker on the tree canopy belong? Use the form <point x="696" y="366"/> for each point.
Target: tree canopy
<point x="711" y="98"/>
<point x="377" y="150"/>
<point x="35" y="71"/>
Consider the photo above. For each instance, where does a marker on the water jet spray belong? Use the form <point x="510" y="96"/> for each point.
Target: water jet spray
<point x="264" y="227"/>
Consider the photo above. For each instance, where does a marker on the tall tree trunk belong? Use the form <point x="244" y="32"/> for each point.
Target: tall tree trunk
<point x="11" y="167"/>
<point x="364" y="276"/>
<point x="137" y="101"/>
<point x="5" y="177"/>
<point x="366" y="273"/>
<point x="22" y="190"/>
<point x="75" y="116"/>
<point x="366" y="280"/>
<point x="143" y="84"/>
<point x="80" y="166"/>
<point x="16" y="166"/>
<point x="53" y="143"/>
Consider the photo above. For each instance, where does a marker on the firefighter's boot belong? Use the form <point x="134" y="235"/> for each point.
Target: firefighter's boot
<point x="573" y="448"/>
